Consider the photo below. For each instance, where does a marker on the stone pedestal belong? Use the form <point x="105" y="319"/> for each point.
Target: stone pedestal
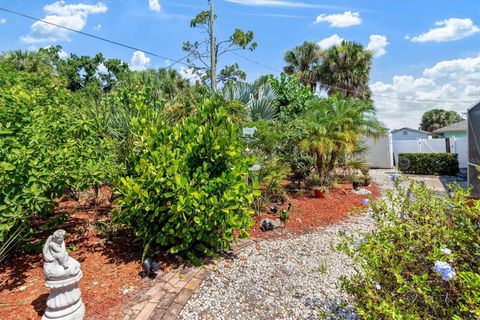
<point x="63" y="274"/>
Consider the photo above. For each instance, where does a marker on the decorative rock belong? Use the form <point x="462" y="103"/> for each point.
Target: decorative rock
<point x="362" y="192"/>
<point x="63" y="274"/>
<point x="268" y="225"/>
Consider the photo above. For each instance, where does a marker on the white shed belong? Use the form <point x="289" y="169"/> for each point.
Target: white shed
<point x="410" y="134"/>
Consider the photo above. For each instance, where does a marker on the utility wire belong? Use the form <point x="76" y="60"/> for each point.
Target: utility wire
<point x="180" y="61"/>
<point x="175" y="61"/>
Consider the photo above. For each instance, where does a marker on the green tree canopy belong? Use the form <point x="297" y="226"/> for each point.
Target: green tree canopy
<point x="346" y="68"/>
<point x="303" y="61"/>
<point x="438" y="118"/>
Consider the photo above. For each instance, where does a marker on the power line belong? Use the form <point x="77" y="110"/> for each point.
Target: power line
<point x="352" y="91"/>
<point x="175" y="61"/>
<point x="180" y="61"/>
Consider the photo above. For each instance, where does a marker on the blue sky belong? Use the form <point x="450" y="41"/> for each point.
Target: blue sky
<point x="425" y="50"/>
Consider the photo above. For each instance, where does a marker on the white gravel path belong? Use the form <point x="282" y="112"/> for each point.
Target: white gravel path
<point x="291" y="278"/>
<point x="288" y="279"/>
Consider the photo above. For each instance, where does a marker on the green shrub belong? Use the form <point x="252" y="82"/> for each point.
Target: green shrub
<point x="188" y="190"/>
<point x="429" y="163"/>
<point x="416" y="229"/>
<point x="293" y="98"/>
<point x="281" y="139"/>
<point x="46" y="147"/>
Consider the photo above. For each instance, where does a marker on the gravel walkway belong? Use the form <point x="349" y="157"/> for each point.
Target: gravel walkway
<point x="291" y="278"/>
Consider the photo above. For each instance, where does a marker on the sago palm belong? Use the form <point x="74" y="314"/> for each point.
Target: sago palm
<point x="336" y="125"/>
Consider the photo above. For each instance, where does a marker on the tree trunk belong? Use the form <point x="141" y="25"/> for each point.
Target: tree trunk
<point x="319" y="164"/>
<point x="333" y="160"/>
<point x="213" y="49"/>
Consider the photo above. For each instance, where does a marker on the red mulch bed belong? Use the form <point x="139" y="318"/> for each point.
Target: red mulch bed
<point x="110" y="270"/>
<point x="309" y="213"/>
<point x="110" y="267"/>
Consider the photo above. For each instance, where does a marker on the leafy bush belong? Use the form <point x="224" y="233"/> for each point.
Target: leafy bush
<point x="188" y="190"/>
<point x="421" y="262"/>
<point x="429" y="163"/>
<point x="46" y="147"/>
<point x="281" y="140"/>
<point x="292" y="97"/>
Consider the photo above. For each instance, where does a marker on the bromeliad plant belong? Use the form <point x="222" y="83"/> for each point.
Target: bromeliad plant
<point x="188" y="190"/>
<point x="421" y="262"/>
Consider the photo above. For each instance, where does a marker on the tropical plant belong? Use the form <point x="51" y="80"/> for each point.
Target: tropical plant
<point x="303" y="62"/>
<point x="334" y="126"/>
<point x="187" y="191"/>
<point x="345" y="69"/>
<point x="260" y="102"/>
<point x="438" y="118"/>
<point x="422" y="260"/>
<point x="47" y="146"/>
<point x="45" y="60"/>
<point x="292" y="97"/>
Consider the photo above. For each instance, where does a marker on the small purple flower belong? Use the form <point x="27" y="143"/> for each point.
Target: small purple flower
<point x="446" y="250"/>
<point x="445" y="270"/>
<point x="365" y="201"/>
<point x="394" y="176"/>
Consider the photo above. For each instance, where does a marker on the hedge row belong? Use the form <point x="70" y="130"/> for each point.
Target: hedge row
<point x="429" y="163"/>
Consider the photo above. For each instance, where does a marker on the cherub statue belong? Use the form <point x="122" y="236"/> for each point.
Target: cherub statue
<point x="63" y="274"/>
<point x="57" y="261"/>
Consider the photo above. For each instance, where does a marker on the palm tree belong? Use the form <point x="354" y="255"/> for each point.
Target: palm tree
<point x="303" y="61"/>
<point x="346" y="69"/>
<point x="335" y="127"/>
<point x="43" y="60"/>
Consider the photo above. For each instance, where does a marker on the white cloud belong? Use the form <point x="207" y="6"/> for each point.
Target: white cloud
<point x="97" y="27"/>
<point x="447" y="30"/>
<point x="281" y="3"/>
<point x="341" y="20"/>
<point x="62" y="54"/>
<point x="154" y="5"/>
<point x="3" y="21"/>
<point x="330" y="41"/>
<point x="102" y="69"/>
<point x="139" y="61"/>
<point x="189" y="74"/>
<point x="377" y="44"/>
<point x="452" y="80"/>
<point x="73" y="16"/>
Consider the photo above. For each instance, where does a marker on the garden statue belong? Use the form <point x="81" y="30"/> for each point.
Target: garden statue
<point x="63" y="274"/>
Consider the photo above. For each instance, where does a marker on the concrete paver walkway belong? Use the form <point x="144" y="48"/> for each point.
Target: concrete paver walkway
<point x="166" y="299"/>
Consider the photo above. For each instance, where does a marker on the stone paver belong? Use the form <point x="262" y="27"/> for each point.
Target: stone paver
<point x="166" y="299"/>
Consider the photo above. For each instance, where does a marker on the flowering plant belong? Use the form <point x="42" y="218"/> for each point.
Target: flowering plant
<point x="422" y="261"/>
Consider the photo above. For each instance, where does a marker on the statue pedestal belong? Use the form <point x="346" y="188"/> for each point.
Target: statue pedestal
<point x="63" y="274"/>
<point x="64" y="301"/>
